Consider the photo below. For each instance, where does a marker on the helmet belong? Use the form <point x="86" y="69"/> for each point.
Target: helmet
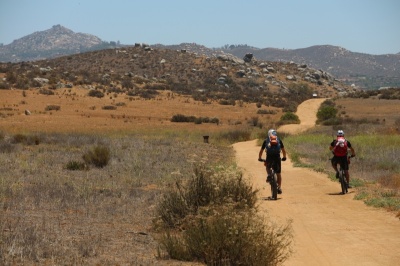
<point x="340" y="133"/>
<point x="272" y="132"/>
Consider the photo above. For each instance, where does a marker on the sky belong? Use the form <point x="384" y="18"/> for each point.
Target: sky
<point x="363" y="26"/>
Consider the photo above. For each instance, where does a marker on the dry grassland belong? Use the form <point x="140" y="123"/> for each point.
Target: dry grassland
<point x="83" y="114"/>
<point x="373" y="109"/>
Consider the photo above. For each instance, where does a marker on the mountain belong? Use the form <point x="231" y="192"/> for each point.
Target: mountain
<point x="51" y="43"/>
<point x="365" y="70"/>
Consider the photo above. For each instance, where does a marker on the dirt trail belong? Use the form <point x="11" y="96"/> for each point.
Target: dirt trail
<point x="329" y="228"/>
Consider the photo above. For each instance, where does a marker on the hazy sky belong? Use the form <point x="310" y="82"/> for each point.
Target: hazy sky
<point x="365" y="26"/>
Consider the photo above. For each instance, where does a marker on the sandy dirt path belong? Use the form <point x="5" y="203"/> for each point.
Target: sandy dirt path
<point x="328" y="228"/>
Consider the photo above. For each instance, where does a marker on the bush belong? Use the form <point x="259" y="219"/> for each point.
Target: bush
<point x="4" y="86"/>
<point x="182" y="118"/>
<point x="52" y="108"/>
<point x="46" y="92"/>
<point x="326" y="113"/>
<point x="332" y="121"/>
<point x="99" y="156"/>
<point x="221" y="226"/>
<point x="96" y="93"/>
<point x="266" y="112"/>
<point x="233" y="136"/>
<point x="109" y="107"/>
<point x="179" y="118"/>
<point x="290" y="118"/>
<point x="75" y="165"/>
<point x="27" y="140"/>
<point x="6" y="147"/>
<point x="202" y="190"/>
<point x="228" y="237"/>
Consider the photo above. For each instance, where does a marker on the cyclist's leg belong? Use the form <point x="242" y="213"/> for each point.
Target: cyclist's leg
<point x="268" y="164"/>
<point x="335" y="163"/>
<point x="278" y="171"/>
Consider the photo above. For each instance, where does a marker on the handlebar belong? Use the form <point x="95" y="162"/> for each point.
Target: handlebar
<point x="263" y="160"/>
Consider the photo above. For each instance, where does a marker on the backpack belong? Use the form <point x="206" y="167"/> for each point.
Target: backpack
<point x="273" y="145"/>
<point x="340" y="148"/>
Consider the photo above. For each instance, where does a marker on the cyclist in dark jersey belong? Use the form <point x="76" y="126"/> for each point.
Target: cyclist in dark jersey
<point x="273" y="159"/>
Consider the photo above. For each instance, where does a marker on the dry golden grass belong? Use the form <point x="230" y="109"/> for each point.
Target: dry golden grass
<point x="81" y="113"/>
<point x="373" y="109"/>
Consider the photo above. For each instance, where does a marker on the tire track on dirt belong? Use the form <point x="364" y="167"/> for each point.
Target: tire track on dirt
<point x="328" y="228"/>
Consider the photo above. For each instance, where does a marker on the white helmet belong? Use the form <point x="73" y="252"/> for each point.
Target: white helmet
<point x="340" y="133"/>
<point x="272" y="132"/>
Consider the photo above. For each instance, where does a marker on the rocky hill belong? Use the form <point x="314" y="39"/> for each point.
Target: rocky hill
<point x="142" y="71"/>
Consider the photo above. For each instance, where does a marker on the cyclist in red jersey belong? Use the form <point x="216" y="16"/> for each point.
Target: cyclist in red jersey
<point x="339" y="148"/>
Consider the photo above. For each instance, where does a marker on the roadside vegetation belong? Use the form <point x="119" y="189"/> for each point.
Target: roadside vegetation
<point x="374" y="171"/>
<point x="130" y="199"/>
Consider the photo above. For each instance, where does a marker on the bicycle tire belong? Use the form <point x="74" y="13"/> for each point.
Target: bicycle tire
<point x="274" y="186"/>
<point x="343" y="182"/>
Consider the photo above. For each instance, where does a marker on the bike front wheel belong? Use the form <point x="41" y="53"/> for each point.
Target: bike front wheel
<point x="343" y="183"/>
<point x="274" y="187"/>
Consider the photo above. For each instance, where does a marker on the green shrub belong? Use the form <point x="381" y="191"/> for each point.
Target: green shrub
<point x="289" y="118"/>
<point x="99" y="156"/>
<point x="326" y="112"/>
<point x="75" y="165"/>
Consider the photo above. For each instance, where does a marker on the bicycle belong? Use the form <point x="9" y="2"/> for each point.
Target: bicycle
<point x="342" y="177"/>
<point x="272" y="180"/>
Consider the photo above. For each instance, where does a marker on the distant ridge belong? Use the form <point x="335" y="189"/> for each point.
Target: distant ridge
<point x="363" y="70"/>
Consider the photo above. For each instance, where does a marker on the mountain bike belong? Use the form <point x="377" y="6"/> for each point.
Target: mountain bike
<point x="342" y="177"/>
<point x="272" y="180"/>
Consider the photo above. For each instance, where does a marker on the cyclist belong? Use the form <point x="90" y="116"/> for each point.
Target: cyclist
<point x="339" y="148"/>
<point x="273" y="155"/>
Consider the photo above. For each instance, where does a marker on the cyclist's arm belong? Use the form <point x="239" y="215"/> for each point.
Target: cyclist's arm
<point x="260" y="153"/>
<point x="283" y="153"/>
<point x="261" y="150"/>
<point x="353" y="153"/>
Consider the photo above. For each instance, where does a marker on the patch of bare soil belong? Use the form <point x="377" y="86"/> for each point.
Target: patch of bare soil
<point x="329" y="228"/>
